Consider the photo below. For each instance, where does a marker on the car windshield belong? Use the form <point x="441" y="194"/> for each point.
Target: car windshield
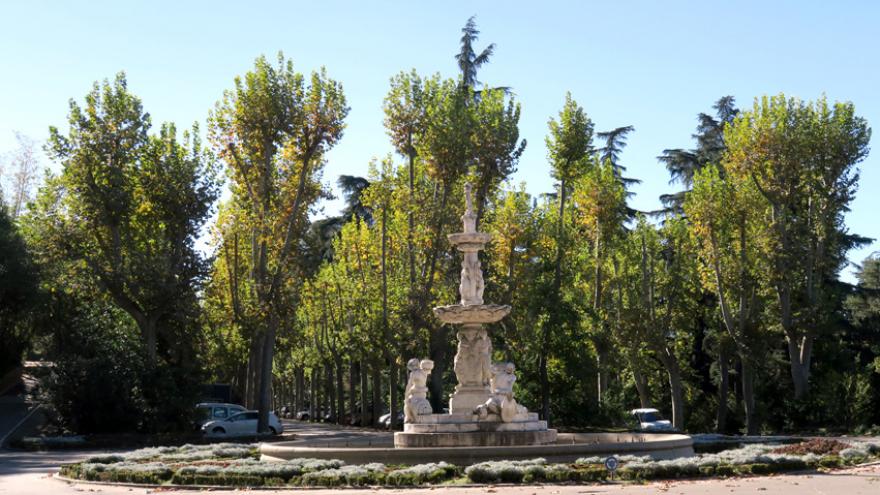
<point x="649" y="417"/>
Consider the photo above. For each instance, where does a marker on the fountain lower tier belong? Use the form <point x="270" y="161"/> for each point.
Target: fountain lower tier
<point x="469" y="430"/>
<point x="361" y="447"/>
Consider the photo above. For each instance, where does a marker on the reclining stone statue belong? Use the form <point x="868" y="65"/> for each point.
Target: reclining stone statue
<point x="502" y="402"/>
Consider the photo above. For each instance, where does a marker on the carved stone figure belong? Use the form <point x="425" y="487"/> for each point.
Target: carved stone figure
<point x="472" y="285"/>
<point x="483" y="351"/>
<point x="502" y="402"/>
<point x="416" y="402"/>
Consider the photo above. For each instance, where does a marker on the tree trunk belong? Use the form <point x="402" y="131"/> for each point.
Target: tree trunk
<point x="393" y="393"/>
<point x="439" y="348"/>
<point x="723" y="386"/>
<point x="352" y="391"/>
<point x="313" y="399"/>
<point x="298" y="395"/>
<point x="266" y="374"/>
<point x="340" y="393"/>
<point x="544" y="382"/>
<point x="676" y="391"/>
<point x="641" y="382"/>
<point x="366" y="415"/>
<point x="150" y="340"/>
<point x="331" y="392"/>
<point x="376" y="376"/>
<point x="798" y="359"/>
<point x="748" y="386"/>
<point x="253" y="372"/>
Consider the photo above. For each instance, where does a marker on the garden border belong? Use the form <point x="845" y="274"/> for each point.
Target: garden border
<point x="71" y="481"/>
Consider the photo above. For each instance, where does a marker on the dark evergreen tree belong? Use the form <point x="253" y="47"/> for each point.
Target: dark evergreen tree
<point x="682" y="164"/>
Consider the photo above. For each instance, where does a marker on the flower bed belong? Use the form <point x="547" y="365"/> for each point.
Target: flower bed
<point x="238" y="465"/>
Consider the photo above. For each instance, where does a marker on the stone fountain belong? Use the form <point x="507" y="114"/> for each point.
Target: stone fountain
<point x="482" y="409"/>
<point x="484" y="421"/>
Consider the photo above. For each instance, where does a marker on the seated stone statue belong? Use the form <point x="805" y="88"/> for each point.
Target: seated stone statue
<point x="416" y="401"/>
<point x="502" y="402"/>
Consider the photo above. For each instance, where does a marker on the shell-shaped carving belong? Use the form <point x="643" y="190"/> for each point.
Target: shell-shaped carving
<point x="480" y="313"/>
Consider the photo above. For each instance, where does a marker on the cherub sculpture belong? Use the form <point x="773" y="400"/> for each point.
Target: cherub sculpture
<point x="416" y="401"/>
<point x="502" y="402"/>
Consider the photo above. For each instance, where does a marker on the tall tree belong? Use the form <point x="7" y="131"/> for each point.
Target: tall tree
<point x="129" y="205"/>
<point x="405" y="108"/>
<point x="599" y="204"/>
<point x="683" y="164"/>
<point x="723" y="219"/>
<point x="468" y="60"/>
<point x="18" y="292"/>
<point x="615" y="142"/>
<point x="21" y="175"/>
<point x="272" y="131"/>
<point x="802" y="159"/>
<point x="569" y="145"/>
<point x="496" y="144"/>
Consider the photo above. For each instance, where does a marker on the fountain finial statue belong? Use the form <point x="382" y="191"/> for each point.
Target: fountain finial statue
<point x="469" y="219"/>
<point x="471" y="286"/>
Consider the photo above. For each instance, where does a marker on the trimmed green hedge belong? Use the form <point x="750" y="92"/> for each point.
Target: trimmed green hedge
<point x="239" y="469"/>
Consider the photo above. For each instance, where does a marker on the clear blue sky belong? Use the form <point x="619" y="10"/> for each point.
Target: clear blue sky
<point x="650" y="64"/>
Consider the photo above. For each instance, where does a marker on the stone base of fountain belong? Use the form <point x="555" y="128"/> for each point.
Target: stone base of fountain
<point x="379" y="447"/>
<point x="468" y="430"/>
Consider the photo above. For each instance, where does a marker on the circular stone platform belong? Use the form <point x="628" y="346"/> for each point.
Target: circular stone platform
<point x="567" y="448"/>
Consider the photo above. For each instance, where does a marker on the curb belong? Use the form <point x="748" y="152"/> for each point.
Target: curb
<point x="72" y="481"/>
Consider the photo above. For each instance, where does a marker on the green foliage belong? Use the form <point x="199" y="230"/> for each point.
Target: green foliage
<point x="19" y="293"/>
<point x="129" y="206"/>
<point x="96" y="381"/>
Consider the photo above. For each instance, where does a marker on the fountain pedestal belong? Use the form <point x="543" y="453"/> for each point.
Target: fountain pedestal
<point x="482" y="409"/>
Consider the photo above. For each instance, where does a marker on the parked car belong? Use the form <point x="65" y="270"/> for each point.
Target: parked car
<point x="385" y="420"/>
<point x="241" y="424"/>
<point x="212" y="411"/>
<point x="303" y="415"/>
<point x="649" y="419"/>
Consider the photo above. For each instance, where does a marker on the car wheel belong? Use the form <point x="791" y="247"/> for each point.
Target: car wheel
<point x="272" y="430"/>
<point x="218" y="431"/>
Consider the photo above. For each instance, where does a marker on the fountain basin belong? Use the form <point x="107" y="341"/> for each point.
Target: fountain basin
<point x="458" y="314"/>
<point x="568" y="447"/>
<point x="469" y="241"/>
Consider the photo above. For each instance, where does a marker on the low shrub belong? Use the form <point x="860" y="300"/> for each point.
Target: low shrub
<point x="506" y="471"/>
<point x="421" y="474"/>
<point x="367" y="474"/>
<point x="818" y="446"/>
<point x="831" y="461"/>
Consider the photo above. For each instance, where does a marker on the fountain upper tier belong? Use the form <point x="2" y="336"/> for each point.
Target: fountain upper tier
<point x="469" y="241"/>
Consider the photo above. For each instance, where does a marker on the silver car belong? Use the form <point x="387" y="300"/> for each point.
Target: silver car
<point x="649" y="419"/>
<point x="241" y="424"/>
<point x="212" y="411"/>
